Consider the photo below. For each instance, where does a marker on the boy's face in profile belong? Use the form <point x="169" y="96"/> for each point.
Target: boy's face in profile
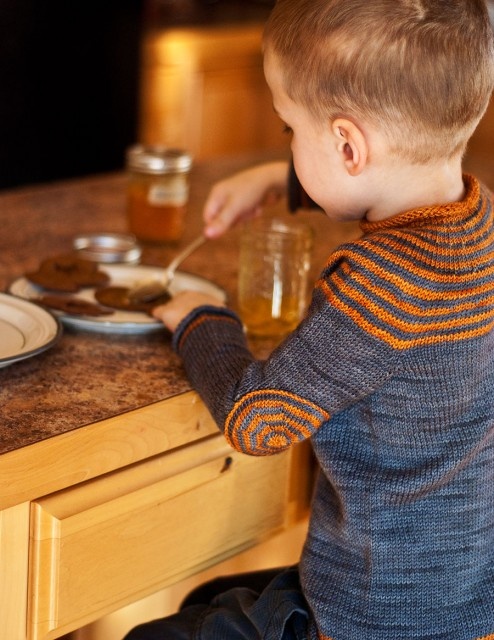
<point x="318" y="153"/>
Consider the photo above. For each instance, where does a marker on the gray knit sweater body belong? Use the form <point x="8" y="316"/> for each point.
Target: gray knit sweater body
<point x="391" y="375"/>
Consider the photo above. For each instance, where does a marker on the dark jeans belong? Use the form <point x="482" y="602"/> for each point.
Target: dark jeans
<point x="265" y="605"/>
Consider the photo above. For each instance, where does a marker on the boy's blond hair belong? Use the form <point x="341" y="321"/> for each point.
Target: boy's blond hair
<point x="420" y="70"/>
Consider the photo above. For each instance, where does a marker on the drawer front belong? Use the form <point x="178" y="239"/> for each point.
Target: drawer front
<point x="110" y="541"/>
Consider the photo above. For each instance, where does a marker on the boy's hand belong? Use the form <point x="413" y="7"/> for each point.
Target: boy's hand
<point x="243" y="195"/>
<point x="173" y="312"/>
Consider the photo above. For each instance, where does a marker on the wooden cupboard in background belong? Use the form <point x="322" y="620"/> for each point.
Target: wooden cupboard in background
<point x="203" y="89"/>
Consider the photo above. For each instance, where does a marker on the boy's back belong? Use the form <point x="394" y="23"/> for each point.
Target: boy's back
<point x="401" y="543"/>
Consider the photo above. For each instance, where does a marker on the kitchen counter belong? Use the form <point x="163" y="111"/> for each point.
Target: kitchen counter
<point x="87" y="376"/>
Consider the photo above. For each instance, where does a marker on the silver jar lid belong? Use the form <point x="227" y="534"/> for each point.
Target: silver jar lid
<point x="157" y="160"/>
<point x="108" y="247"/>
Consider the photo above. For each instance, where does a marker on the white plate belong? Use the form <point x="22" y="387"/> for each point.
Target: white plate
<point x="25" y="329"/>
<point x="122" y="276"/>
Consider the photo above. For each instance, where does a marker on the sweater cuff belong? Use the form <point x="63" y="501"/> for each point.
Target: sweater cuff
<point x="197" y="317"/>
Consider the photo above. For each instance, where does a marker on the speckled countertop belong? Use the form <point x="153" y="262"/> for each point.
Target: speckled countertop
<point x="86" y="376"/>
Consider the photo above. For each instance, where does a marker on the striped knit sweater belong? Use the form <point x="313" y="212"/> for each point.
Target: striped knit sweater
<point x="391" y="375"/>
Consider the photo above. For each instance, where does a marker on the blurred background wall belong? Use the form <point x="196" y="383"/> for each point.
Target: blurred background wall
<point x="73" y="76"/>
<point x="68" y="85"/>
<point x="80" y="81"/>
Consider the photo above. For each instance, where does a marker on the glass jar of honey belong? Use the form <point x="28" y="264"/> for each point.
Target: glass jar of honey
<point x="158" y="192"/>
<point x="273" y="277"/>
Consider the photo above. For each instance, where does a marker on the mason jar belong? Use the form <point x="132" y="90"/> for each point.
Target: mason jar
<point x="157" y="192"/>
<point x="275" y="258"/>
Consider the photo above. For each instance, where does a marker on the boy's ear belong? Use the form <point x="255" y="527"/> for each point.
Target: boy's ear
<point x="352" y="145"/>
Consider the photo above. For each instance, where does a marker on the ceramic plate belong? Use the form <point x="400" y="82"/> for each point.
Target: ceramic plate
<point x="124" y="276"/>
<point x="25" y="329"/>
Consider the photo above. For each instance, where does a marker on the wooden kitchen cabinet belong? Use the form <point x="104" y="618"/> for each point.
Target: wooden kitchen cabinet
<point x="14" y="554"/>
<point x="145" y="517"/>
<point x="113" y="540"/>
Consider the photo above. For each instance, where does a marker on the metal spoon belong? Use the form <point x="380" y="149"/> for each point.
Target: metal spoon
<point x="153" y="290"/>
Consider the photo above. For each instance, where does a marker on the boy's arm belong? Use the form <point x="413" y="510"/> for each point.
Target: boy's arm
<point x="243" y="195"/>
<point x="265" y="407"/>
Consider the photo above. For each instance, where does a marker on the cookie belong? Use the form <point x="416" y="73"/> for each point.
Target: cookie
<point x="68" y="273"/>
<point x="118" y="298"/>
<point x="73" y="306"/>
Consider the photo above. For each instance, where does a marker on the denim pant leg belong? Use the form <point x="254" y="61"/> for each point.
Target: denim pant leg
<point x="179" y="626"/>
<point x="255" y="580"/>
<point x="278" y="612"/>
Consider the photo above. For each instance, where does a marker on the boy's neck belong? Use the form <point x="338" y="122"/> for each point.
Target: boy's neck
<point x="408" y="187"/>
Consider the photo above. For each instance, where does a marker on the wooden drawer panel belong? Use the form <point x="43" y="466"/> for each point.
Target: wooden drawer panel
<point x="107" y="542"/>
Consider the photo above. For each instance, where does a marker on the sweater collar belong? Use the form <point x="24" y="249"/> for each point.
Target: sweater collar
<point x="423" y="215"/>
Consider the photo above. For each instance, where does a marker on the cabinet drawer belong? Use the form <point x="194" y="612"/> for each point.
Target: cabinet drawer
<point x="104" y="543"/>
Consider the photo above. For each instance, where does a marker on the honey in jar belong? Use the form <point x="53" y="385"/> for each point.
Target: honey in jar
<point x="275" y="256"/>
<point x="158" y="192"/>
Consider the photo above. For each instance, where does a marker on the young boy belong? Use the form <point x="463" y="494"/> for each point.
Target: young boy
<point x="391" y="374"/>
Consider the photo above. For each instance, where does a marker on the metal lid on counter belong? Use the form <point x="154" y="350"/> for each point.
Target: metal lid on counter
<point x="108" y="247"/>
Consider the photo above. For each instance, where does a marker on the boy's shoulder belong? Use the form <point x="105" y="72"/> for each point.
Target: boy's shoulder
<point x="417" y="277"/>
